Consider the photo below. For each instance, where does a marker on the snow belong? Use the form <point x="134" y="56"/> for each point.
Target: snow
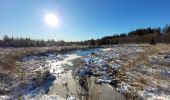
<point x="4" y="97"/>
<point x="56" y="67"/>
<point x="153" y="93"/>
<point x="70" y="57"/>
<point x="54" y="63"/>
<point x="165" y="73"/>
<point x="71" y="98"/>
<point x="124" y="88"/>
<point x="44" y="97"/>
<point x="106" y="49"/>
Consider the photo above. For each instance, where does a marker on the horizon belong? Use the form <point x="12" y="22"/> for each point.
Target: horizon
<point x="80" y="20"/>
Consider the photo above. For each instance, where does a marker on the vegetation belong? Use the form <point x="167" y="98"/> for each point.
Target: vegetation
<point x="145" y="35"/>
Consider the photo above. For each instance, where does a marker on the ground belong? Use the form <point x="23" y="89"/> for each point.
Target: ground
<point x="143" y="72"/>
<point x="102" y="92"/>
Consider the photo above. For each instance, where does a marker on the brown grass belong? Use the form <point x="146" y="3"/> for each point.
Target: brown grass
<point x="142" y="58"/>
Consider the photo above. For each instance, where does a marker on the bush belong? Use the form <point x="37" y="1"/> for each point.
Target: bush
<point x="153" y="41"/>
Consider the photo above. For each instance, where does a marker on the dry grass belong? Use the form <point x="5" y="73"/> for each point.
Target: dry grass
<point x="91" y="93"/>
<point x="141" y="80"/>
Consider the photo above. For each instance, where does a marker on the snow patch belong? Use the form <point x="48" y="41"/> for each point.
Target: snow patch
<point x="152" y="93"/>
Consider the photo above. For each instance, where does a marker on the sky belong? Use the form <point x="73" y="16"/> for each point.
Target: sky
<point x="80" y="19"/>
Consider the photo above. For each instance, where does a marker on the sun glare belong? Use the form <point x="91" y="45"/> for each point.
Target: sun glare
<point x="51" y="19"/>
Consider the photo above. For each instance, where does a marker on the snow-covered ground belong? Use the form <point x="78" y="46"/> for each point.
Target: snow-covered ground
<point x="106" y="49"/>
<point x="139" y="71"/>
<point x="143" y="72"/>
<point x="56" y="65"/>
<point x="154" y="93"/>
<point x="44" y="97"/>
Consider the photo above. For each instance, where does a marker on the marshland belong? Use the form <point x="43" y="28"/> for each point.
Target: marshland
<point x="84" y="50"/>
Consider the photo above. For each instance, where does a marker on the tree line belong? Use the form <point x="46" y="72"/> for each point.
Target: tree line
<point x="27" y="42"/>
<point x="143" y="35"/>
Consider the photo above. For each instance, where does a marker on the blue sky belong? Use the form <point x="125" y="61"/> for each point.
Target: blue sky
<point x="80" y="19"/>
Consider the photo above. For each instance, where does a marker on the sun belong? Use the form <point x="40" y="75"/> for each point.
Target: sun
<point x="51" y="19"/>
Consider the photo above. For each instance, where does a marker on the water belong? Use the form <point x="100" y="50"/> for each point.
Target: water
<point x="87" y="52"/>
<point x="43" y="88"/>
<point x="32" y="91"/>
